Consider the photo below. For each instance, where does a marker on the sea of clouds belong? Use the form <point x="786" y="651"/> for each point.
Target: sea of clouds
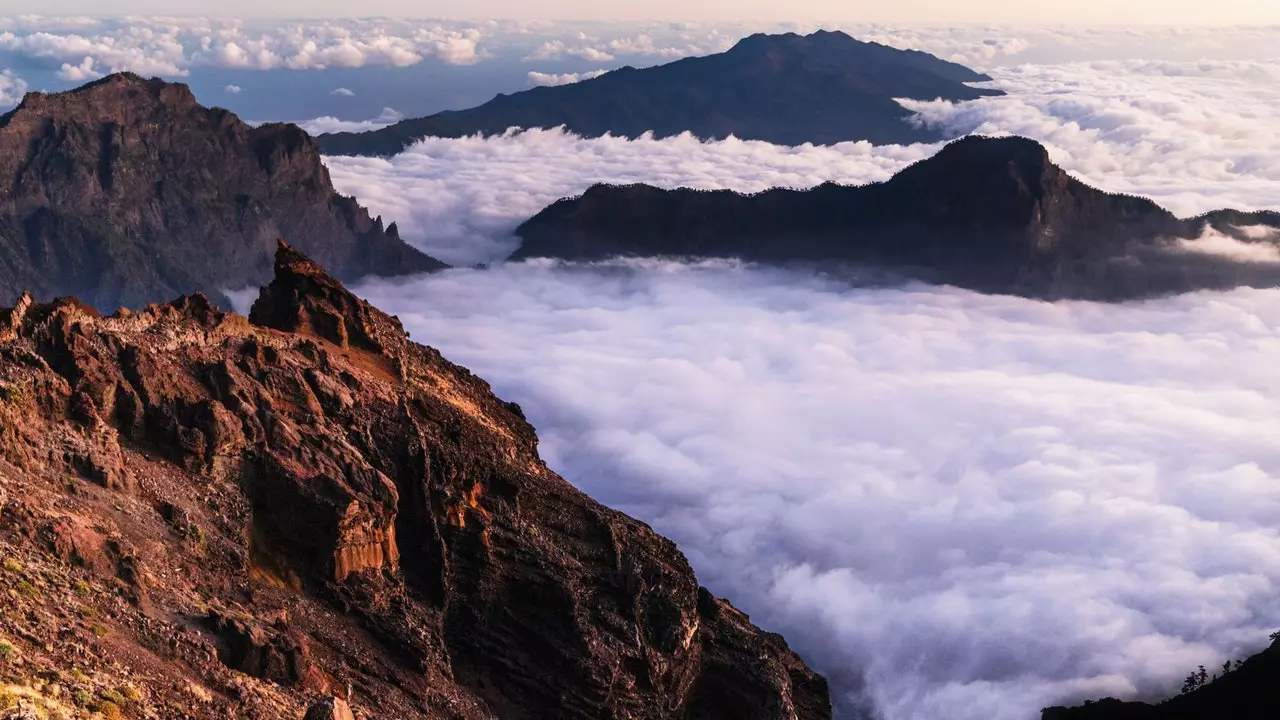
<point x="954" y="505"/>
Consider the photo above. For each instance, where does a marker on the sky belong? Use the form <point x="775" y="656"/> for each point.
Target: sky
<point x="1190" y="12"/>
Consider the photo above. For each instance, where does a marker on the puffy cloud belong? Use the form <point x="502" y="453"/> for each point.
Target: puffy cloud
<point x="557" y="49"/>
<point x="343" y="92"/>
<point x="232" y="89"/>
<point x="553" y="80"/>
<point x="319" y="126"/>
<point x="12" y="89"/>
<point x="172" y="46"/>
<point x="141" y="50"/>
<point x="79" y="73"/>
<point x="954" y="505"/>
<point x="977" y="505"/>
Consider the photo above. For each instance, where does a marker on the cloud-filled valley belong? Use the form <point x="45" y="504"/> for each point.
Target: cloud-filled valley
<point x="954" y="505"/>
<point x="986" y="504"/>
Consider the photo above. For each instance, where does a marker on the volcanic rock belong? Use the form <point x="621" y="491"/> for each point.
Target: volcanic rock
<point x="127" y="191"/>
<point x="787" y="89"/>
<point x="315" y="503"/>
<point x="991" y="214"/>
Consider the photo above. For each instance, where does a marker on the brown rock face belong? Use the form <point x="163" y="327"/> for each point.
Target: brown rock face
<point x="313" y="502"/>
<point x="127" y="191"/>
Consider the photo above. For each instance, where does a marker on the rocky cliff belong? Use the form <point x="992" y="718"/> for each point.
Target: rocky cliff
<point x="788" y="89"/>
<point x="127" y="191"/>
<point x="204" y="515"/>
<point x="992" y="214"/>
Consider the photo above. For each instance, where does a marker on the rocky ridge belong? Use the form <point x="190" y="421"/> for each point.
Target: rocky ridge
<point x="127" y="191"/>
<point x="786" y="89"/>
<point x="991" y="214"/>
<point x="206" y="515"/>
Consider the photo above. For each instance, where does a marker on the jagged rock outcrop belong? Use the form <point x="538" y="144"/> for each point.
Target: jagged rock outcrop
<point x="305" y="501"/>
<point x="788" y="89"/>
<point x="127" y="191"/>
<point x="1248" y="692"/>
<point x="992" y="214"/>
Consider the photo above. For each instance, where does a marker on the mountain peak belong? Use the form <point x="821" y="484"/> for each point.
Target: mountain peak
<point x="303" y="298"/>
<point x="109" y="93"/>
<point x="127" y="191"/>
<point x="822" y="88"/>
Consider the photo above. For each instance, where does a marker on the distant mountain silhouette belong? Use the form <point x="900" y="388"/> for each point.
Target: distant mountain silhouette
<point x="1250" y="691"/>
<point x="127" y="191"/>
<point x="787" y="89"/>
<point x="992" y="214"/>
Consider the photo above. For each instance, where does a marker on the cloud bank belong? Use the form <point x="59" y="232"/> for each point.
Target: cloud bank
<point x="954" y="505"/>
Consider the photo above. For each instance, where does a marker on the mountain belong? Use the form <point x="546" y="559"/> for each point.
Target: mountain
<point x="992" y="214"/>
<point x="213" y="516"/>
<point x="787" y="89"/>
<point x="126" y="191"/>
<point x="1250" y="691"/>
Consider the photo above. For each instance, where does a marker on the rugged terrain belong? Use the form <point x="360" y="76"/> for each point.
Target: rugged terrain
<point x="787" y="89"/>
<point x="127" y="191"/>
<point x="204" y="515"/>
<point x="991" y="214"/>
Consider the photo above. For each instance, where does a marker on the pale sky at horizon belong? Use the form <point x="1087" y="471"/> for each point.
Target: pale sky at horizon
<point x="1161" y="12"/>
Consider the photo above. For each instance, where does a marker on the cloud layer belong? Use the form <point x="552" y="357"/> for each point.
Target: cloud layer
<point x="954" y="505"/>
<point x="976" y="505"/>
<point x="175" y="46"/>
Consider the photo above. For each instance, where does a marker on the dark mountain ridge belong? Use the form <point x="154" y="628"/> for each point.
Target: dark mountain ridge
<point x="127" y="191"/>
<point x="1250" y="691"/>
<point x="212" y="516"/>
<point x="787" y="89"/>
<point x="991" y="214"/>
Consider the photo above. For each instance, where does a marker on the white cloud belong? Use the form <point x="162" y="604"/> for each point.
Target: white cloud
<point x="980" y="504"/>
<point x="555" y="80"/>
<point x="12" y="89"/>
<point x="319" y="126"/>
<point x="1181" y="132"/>
<point x="172" y="46"/>
<point x="79" y="73"/>
<point x="232" y="89"/>
<point x="984" y="504"/>
<point x="343" y="92"/>
<point x="557" y="49"/>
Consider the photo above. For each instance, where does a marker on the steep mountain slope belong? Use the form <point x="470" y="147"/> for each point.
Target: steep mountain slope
<point x="992" y="214"/>
<point x="787" y="89"/>
<point x="208" y="516"/>
<point x="126" y="191"/>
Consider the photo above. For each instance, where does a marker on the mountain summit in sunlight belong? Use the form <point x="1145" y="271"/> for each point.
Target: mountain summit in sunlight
<point x="787" y="89"/>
